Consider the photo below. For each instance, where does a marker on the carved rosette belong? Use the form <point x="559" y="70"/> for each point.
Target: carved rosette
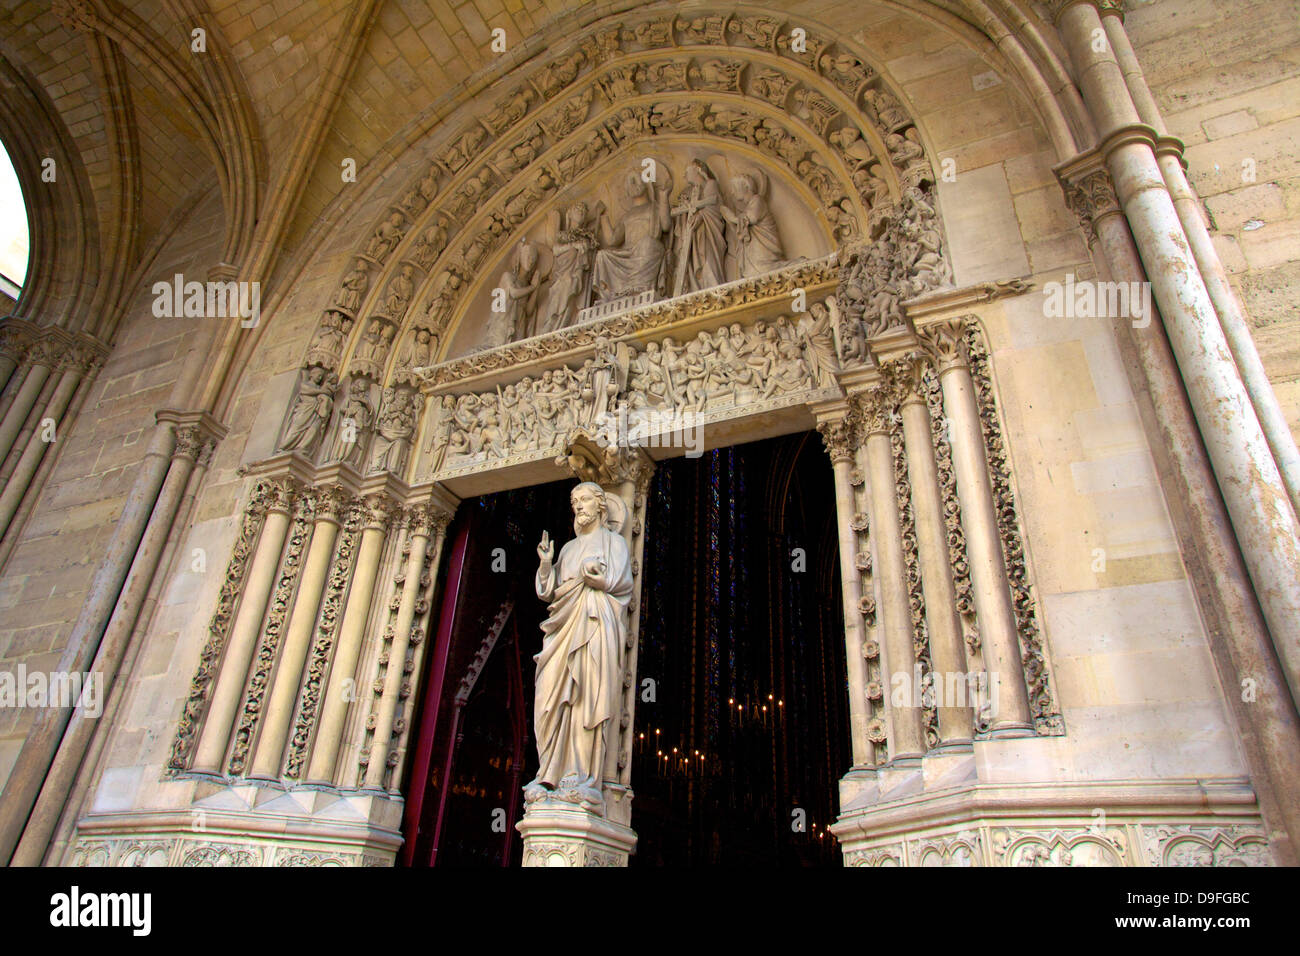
<point x="1047" y="716"/>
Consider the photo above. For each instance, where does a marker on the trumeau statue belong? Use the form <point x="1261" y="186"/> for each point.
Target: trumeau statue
<point x="579" y="669"/>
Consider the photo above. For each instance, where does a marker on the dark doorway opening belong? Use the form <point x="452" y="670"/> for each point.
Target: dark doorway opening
<point x="473" y="746"/>
<point x="741" y="633"/>
<point x="737" y="758"/>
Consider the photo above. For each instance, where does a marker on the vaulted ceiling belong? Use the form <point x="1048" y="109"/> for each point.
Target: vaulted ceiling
<point x="282" y="92"/>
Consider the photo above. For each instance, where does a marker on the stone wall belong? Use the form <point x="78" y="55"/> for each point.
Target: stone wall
<point x="1139" y="693"/>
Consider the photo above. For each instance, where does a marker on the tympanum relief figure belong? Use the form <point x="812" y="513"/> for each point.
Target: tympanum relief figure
<point x="716" y="229"/>
<point x="572" y="248"/>
<point x="516" y="295"/>
<point x="699" y="225"/>
<point x="754" y="243"/>
<point x="633" y="251"/>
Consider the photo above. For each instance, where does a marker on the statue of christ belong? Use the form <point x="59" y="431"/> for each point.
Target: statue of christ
<point x="579" y="669"/>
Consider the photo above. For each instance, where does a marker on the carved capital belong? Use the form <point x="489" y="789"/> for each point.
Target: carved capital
<point x="841" y="437"/>
<point x="426" y="520"/>
<point x="332" y="503"/>
<point x="190" y="442"/>
<point x="905" y="378"/>
<point x="875" y="407"/>
<point x="946" y="344"/>
<point x="16" y="338"/>
<point x="377" y="511"/>
<point x="1104" y="7"/>
<point x="1090" y="197"/>
<point x="274" y="494"/>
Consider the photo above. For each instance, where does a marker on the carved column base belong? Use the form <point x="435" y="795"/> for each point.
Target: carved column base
<point x="558" y="833"/>
<point x="926" y="816"/>
<point x="245" y="826"/>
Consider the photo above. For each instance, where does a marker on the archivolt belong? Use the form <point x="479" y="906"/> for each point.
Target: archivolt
<point x="823" y="112"/>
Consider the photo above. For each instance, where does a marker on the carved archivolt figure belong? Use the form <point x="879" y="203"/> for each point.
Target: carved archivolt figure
<point x="400" y="291"/>
<point x="353" y="287"/>
<point x="354" y="423"/>
<point x="754" y="242"/>
<point x="388" y="235"/>
<point x="310" y="412"/>
<point x="570" y="286"/>
<point x="327" y="345"/>
<point x="701" y="243"/>
<point x="852" y="146"/>
<point x="431" y="242"/>
<point x="374" y="346"/>
<point x="633" y="253"/>
<point x="393" y="432"/>
<point x="440" y="306"/>
<point x="416" y="354"/>
<point x="518" y="290"/>
<point x="579" y="670"/>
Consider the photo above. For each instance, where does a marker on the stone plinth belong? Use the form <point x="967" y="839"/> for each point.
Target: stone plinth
<point x="558" y="833"/>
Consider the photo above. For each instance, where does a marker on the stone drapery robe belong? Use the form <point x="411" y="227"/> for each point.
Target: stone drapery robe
<point x="579" y="672"/>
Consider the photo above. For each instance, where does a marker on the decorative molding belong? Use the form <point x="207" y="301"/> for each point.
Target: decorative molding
<point x="1033" y="650"/>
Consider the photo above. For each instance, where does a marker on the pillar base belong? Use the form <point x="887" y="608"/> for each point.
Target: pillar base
<point x="944" y="814"/>
<point x="245" y="825"/>
<point x="559" y="833"/>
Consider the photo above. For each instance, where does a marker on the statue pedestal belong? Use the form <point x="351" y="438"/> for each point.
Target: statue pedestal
<point x="559" y="833"/>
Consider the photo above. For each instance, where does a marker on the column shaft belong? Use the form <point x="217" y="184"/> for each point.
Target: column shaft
<point x="17" y="413"/>
<point x="228" y="688"/>
<point x="273" y="725"/>
<point x="387" y="705"/>
<point x="1258" y="504"/>
<point x="63" y="771"/>
<point x="16" y="487"/>
<point x="43" y="739"/>
<point x="890" y="571"/>
<point x="947" y="649"/>
<point x="1232" y="319"/>
<point x="1009" y="699"/>
<point x="340" y="693"/>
